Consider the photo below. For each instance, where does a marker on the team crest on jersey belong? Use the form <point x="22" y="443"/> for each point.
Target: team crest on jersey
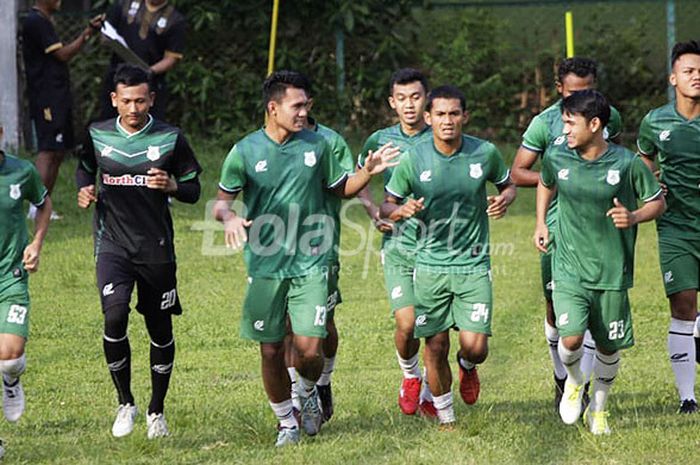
<point x="563" y="174"/>
<point x="15" y="191"/>
<point x="106" y="150"/>
<point x="134" y="8"/>
<point x="613" y="177"/>
<point x="162" y="22"/>
<point x="560" y="140"/>
<point x="153" y="152"/>
<point x="665" y="135"/>
<point x="425" y="176"/>
<point x="310" y="158"/>
<point x="261" y="166"/>
<point x="475" y="170"/>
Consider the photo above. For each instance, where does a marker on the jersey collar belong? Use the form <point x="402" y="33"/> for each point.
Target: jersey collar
<point x="129" y="135"/>
<point x="418" y="134"/>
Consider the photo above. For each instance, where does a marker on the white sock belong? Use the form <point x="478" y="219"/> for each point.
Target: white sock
<point x="552" y="335"/>
<point x="681" y="349"/>
<point x="588" y="358"/>
<point x="572" y="362"/>
<point x="464" y="363"/>
<point x="305" y="387"/>
<point x="328" y="366"/>
<point x="12" y="369"/>
<point x="295" y="395"/>
<point x="445" y="410"/>
<point x="425" y="394"/>
<point x="284" y="413"/>
<point x="409" y="367"/>
<point x="605" y="370"/>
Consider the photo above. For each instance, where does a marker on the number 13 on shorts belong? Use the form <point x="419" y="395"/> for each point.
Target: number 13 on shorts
<point x="320" y="319"/>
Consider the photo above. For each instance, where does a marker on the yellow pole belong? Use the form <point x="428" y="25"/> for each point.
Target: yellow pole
<point x="273" y="37"/>
<point x="569" y="34"/>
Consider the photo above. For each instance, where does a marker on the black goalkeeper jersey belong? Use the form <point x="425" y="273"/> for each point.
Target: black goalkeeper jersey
<point x="131" y="219"/>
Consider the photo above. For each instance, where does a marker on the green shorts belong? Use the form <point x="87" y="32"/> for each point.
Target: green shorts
<point x="451" y="300"/>
<point x="605" y="313"/>
<point x="546" y="274"/>
<point x="680" y="264"/>
<point x="398" y="278"/>
<point x="14" y="308"/>
<point x="334" y="296"/>
<point x="269" y="301"/>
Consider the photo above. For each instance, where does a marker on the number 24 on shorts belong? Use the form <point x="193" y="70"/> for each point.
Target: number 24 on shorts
<point x="480" y="311"/>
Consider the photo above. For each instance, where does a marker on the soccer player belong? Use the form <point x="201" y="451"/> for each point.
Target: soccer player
<point x="598" y="186"/>
<point x="48" y="84"/>
<point x="283" y="171"/>
<point x="673" y="133"/>
<point x="155" y="31"/>
<point x="408" y="89"/>
<point x="446" y="176"/>
<point x="19" y="181"/>
<point x="545" y="133"/>
<point x="139" y="162"/>
<point x="341" y="151"/>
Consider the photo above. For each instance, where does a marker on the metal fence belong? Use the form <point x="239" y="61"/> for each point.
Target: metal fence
<point x="503" y="54"/>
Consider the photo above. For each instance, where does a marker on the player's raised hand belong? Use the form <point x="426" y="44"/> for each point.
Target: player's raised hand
<point x="235" y="234"/>
<point x="381" y="159"/>
<point x="541" y="237"/>
<point x="621" y="216"/>
<point x="86" y="195"/>
<point x="160" y="180"/>
<point x="30" y="257"/>
<point x="411" y="207"/>
<point x="498" y="205"/>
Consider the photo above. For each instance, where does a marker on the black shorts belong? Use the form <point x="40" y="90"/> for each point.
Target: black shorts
<point x="156" y="284"/>
<point x="53" y="124"/>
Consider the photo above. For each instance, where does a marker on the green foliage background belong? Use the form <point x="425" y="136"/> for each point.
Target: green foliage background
<point x="503" y="58"/>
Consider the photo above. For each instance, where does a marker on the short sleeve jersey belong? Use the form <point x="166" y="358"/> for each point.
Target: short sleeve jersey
<point x="284" y="192"/>
<point x="150" y="34"/>
<point x="131" y="219"/>
<point x="404" y="235"/>
<point x="19" y="181"/>
<point x="546" y="131"/>
<point x="341" y="152"/>
<point x="676" y="141"/>
<point x="590" y="251"/>
<point x="453" y="227"/>
<point x="47" y="76"/>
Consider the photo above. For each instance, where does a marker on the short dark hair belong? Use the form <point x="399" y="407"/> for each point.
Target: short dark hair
<point x="448" y="92"/>
<point x="131" y="75"/>
<point x="581" y="67"/>
<point x="684" y="48"/>
<point x="407" y="76"/>
<point x="588" y="103"/>
<point x="277" y="83"/>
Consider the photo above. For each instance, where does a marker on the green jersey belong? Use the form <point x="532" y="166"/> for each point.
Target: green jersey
<point x="404" y="235"/>
<point x="19" y="181"/>
<point x="590" y="251"/>
<point x="341" y="152"/>
<point x="284" y="192"/>
<point x="676" y="141"/>
<point x="546" y="132"/>
<point x="453" y="227"/>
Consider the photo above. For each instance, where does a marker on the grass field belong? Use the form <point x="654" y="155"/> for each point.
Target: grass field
<point x="217" y="410"/>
